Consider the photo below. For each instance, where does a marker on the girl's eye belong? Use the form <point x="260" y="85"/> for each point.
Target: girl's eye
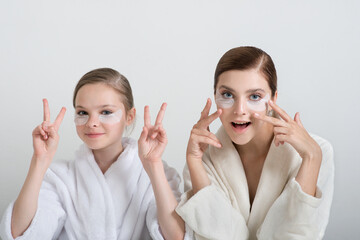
<point x="106" y="112"/>
<point x="81" y="113"/>
<point x="255" y="97"/>
<point x="227" y="95"/>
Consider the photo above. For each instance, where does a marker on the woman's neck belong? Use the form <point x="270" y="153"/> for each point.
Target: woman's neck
<point x="105" y="157"/>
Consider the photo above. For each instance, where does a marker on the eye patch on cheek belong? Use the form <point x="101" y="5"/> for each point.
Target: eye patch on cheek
<point x="222" y="101"/>
<point x="258" y="106"/>
<point x="112" y="118"/>
<point x="254" y="105"/>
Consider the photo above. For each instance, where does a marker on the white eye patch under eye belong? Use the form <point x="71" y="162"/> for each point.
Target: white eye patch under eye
<point x="222" y="101"/>
<point x="260" y="105"/>
<point x="112" y="118"/>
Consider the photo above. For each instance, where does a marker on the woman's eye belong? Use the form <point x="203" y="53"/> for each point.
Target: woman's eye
<point x="227" y="95"/>
<point x="106" y="112"/>
<point x="255" y="97"/>
<point x="81" y="113"/>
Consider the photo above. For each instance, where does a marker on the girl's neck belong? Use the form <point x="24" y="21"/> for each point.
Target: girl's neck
<point x="258" y="147"/>
<point x="105" y="157"/>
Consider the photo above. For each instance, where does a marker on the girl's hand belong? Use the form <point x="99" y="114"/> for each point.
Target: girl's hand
<point x="153" y="139"/>
<point x="292" y="132"/>
<point x="45" y="136"/>
<point x="201" y="136"/>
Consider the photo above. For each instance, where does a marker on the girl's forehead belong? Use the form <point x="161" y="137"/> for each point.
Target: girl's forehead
<point x="98" y="95"/>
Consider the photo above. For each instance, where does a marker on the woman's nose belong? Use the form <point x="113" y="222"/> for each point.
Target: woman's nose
<point x="240" y="107"/>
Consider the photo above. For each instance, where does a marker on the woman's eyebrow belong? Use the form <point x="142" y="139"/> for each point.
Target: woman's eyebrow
<point x="227" y="88"/>
<point x="255" y="90"/>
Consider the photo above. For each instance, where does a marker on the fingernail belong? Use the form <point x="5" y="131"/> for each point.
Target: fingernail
<point x="270" y="101"/>
<point x="256" y="115"/>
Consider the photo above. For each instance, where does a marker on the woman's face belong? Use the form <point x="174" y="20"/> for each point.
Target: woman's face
<point x="240" y="94"/>
<point x="100" y="116"/>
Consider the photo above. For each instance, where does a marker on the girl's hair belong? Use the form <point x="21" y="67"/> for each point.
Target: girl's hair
<point x="245" y="58"/>
<point x="111" y="78"/>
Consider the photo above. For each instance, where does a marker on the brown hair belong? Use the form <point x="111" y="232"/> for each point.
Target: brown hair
<point x="245" y="58"/>
<point x="111" y="78"/>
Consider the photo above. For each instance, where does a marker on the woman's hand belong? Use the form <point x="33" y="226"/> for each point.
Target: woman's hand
<point x="153" y="139"/>
<point x="45" y="136"/>
<point x="201" y="136"/>
<point x="293" y="132"/>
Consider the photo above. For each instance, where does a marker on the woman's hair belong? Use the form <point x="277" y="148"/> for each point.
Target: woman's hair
<point x="245" y="58"/>
<point x="111" y="78"/>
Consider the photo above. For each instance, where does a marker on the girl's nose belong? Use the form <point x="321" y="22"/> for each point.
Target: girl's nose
<point x="93" y="121"/>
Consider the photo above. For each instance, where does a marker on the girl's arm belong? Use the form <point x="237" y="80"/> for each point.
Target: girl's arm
<point x="152" y="143"/>
<point x="45" y="141"/>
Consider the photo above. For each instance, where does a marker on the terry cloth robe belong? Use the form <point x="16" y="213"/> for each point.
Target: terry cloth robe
<point x="280" y="210"/>
<point x="78" y="201"/>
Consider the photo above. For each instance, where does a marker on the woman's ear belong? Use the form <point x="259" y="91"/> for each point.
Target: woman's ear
<point x="130" y="116"/>
<point x="275" y="97"/>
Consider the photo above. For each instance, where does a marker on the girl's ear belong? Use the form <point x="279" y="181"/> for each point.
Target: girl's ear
<point x="130" y="116"/>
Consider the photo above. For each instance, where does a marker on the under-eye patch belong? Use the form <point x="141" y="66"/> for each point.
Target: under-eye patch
<point x="260" y="105"/>
<point x="112" y="118"/>
<point x="222" y="101"/>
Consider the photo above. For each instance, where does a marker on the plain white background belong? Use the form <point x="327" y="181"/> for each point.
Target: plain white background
<point x="168" y="50"/>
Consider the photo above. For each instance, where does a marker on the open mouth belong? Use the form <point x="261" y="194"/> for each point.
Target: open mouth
<point x="242" y="125"/>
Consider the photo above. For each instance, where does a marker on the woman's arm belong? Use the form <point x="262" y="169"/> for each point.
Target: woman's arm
<point x="199" y="140"/>
<point x="152" y="143"/>
<point x="45" y="141"/>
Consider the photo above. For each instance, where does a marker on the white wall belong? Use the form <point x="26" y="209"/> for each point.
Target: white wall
<point x="168" y="50"/>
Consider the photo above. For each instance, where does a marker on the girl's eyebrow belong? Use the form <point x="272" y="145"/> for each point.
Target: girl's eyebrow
<point x="101" y="106"/>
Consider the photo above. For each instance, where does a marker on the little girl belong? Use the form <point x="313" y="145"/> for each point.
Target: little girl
<point x="105" y="192"/>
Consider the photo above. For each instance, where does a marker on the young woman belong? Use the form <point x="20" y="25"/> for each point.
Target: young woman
<point x="262" y="176"/>
<point x="105" y="192"/>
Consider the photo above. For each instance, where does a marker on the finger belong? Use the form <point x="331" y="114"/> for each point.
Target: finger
<point x="205" y="112"/>
<point x="280" y="130"/>
<point x="162" y="134"/>
<point x="46" y="110"/>
<point x="200" y="132"/>
<point x="51" y="132"/>
<point x="281" y="138"/>
<point x="207" y="140"/>
<point x="59" y="118"/>
<point x="161" y="114"/>
<point x="147" y="121"/>
<point x="280" y="111"/>
<point x="143" y="135"/>
<point x="271" y="120"/>
<point x="297" y="119"/>
<point x="208" y="120"/>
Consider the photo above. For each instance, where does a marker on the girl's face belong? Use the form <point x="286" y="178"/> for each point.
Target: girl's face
<point x="240" y="94"/>
<point x="100" y="116"/>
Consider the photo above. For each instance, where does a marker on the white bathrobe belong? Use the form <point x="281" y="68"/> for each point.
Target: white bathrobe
<point x="280" y="210"/>
<point x="78" y="201"/>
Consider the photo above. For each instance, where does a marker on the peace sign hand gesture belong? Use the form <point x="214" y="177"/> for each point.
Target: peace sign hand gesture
<point x="45" y="136"/>
<point x="201" y="136"/>
<point x="153" y="139"/>
<point x="293" y="132"/>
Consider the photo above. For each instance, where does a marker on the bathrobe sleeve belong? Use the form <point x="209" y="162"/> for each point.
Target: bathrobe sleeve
<point x="48" y="220"/>
<point x="297" y="215"/>
<point x="209" y="212"/>
<point x="151" y="217"/>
